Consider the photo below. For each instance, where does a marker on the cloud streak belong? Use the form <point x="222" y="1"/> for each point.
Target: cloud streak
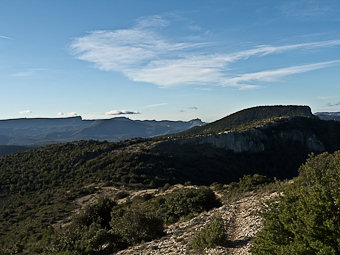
<point x="308" y="8"/>
<point x="121" y="112"/>
<point x="142" y="54"/>
<point x="28" y="73"/>
<point x="273" y="75"/>
<point x="5" y="37"/>
<point x="154" y="105"/>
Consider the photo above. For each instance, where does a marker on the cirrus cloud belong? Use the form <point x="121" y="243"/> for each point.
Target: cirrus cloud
<point x="5" y="37"/>
<point x="273" y="75"/>
<point x="142" y="54"/>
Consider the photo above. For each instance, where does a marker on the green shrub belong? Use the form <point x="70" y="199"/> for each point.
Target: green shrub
<point x="212" y="235"/>
<point x="105" y="227"/>
<point x="82" y="240"/>
<point x="96" y="213"/>
<point x="247" y="183"/>
<point x="69" y="241"/>
<point x="187" y="201"/>
<point x="306" y="220"/>
<point x="250" y="182"/>
<point x="135" y="226"/>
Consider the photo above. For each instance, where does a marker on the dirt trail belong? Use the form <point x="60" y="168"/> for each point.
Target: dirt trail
<point x="242" y="225"/>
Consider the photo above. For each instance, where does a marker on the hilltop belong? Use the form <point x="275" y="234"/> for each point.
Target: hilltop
<point x="254" y="115"/>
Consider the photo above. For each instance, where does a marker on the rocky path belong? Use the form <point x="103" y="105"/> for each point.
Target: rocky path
<point x="241" y="221"/>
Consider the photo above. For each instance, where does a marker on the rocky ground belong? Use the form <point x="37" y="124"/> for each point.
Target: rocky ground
<point x="241" y="220"/>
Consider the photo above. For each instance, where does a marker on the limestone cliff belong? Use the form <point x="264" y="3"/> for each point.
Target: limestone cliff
<point x="261" y="138"/>
<point x="254" y="140"/>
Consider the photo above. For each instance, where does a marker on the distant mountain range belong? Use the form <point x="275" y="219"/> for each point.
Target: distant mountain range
<point x="328" y="115"/>
<point x="41" y="131"/>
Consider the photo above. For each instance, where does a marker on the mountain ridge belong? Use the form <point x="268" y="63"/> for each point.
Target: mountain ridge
<point x="328" y="115"/>
<point x="248" y="115"/>
<point x="38" y="131"/>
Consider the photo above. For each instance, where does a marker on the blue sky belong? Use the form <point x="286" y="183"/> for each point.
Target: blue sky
<point x="174" y="60"/>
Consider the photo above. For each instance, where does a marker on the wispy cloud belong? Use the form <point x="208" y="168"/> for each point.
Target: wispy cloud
<point x="25" y="112"/>
<point x="308" y="8"/>
<point x="122" y="49"/>
<point x="5" y="37"/>
<point x="121" y="112"/>
<point x="326" y="97"/>
<point x="154" y="105"/>
<point x="204" y="88"/>
<point x="28" y="73"/>
<point x="142" y="54"/>
<point x="272" y="75"/>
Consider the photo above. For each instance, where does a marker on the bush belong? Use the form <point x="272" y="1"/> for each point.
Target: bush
<point x="135" y="226"/>
<point x="306" y="220"/>
<point x="82" y="240"/>
<point x="187" y="202"/>
<point x="97" y="213"/>
<point x="212" y="235"/>
<point x="105" y="227"/>
<point x="250" y="182"/>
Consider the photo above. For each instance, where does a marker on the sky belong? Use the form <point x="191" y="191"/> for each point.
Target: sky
<point x="169" y="59"/>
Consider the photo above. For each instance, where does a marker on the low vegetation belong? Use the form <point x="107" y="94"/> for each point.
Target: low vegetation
<point x="306" y="220"/>
<point x="106" y="226"/>
<point x="212" y="235"/>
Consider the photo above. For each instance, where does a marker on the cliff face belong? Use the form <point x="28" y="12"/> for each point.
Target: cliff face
<point x="254" y="140"/>
<point x="260" y="139"/>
